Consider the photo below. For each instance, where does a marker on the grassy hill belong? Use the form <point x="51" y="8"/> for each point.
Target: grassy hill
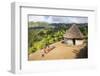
<point x="41" y="34"/>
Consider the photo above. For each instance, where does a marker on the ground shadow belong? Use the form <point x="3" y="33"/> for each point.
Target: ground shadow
<point x="83" y="53"/>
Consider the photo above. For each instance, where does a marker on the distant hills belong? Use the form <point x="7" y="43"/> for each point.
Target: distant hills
<point x="41" y="25"/>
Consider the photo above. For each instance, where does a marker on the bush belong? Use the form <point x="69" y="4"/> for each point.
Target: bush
<point x="31" y="50"/>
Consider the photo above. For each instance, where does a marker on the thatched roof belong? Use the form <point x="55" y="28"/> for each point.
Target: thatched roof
<point x="74" y="32"/>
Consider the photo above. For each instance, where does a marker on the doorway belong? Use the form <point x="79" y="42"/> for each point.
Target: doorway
<point x="74" y="43"/>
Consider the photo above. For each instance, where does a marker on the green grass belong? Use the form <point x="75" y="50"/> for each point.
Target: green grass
<point x="39" y="38"/>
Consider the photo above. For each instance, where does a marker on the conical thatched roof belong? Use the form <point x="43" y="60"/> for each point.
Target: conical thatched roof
<point x="73" y="32"/>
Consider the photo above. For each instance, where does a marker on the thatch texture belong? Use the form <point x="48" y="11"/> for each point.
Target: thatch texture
<point x="73" y="32"/>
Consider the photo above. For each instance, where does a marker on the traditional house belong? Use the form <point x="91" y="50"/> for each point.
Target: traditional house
<point x="73" y="36"/>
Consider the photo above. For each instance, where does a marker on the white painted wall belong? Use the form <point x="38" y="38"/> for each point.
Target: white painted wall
<point x="69" y="42"/>
<point x="79" y="42"/>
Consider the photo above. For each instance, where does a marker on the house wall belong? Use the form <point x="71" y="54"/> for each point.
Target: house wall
<point x="70" y="42"/>
<point x="79" y="42"/>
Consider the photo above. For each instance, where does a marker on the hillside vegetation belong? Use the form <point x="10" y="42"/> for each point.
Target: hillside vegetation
<point x="41" y="34"/>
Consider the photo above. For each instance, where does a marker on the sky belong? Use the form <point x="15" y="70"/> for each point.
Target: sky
<point x="58" y="19"/>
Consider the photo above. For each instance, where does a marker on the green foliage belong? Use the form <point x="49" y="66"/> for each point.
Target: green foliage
<point x="38" y="24"/>
<point x="31" y="50"/>
<point x="39" y="38"/>
<point x="84" y="30"/>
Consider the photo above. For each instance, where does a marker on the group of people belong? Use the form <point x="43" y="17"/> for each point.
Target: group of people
<point x="46" y="49"/>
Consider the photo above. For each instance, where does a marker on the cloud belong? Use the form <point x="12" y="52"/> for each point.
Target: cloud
<point x="77" y="19"/>
<point x="56" y="19"/>
<point x="70" y="19"/>
<point x="36" y="18"/>
<point x="59" y="19"/>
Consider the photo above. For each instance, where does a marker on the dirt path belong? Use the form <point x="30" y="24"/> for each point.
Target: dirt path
<point x="61" y="51"/>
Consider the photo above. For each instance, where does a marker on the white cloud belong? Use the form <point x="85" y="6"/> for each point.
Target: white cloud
<point x="36" y="18"/>
<point x="77" y="19"/>
<point x="49" y="19"/>
<point x="58" y="19"/>
<point x="70" y="19"/>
